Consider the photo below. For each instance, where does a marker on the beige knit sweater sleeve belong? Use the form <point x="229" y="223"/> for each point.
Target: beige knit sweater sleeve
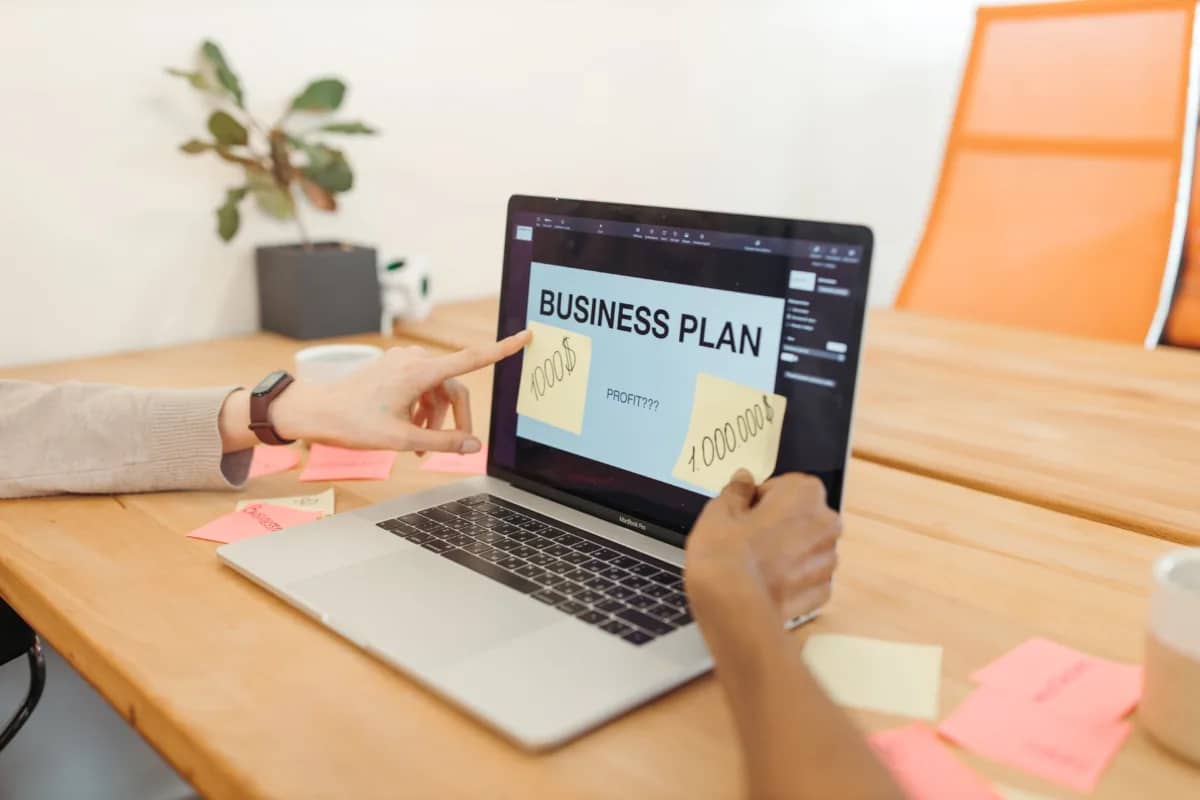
<point x="98" y="438"/>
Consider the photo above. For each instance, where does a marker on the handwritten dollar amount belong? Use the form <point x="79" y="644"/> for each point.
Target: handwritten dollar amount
<point x="553" y="369"/>
<point x="725" y="439"/>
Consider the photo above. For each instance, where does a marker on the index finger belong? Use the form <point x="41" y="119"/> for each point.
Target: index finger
<point x="472" y="358"/>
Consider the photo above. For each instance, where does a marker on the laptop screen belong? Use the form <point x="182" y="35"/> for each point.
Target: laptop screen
<point x="640" y="316"/>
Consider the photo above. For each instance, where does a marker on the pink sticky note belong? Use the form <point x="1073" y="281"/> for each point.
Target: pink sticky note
<point x="1025" y="735"/>
<point x="473" y="464"/>
<point x="269" y="460"/>
<point x="326" y="463"/>
<point x="253" y="520"/>
<point x="1065" y="681"/>
<point x="925" y="768"/>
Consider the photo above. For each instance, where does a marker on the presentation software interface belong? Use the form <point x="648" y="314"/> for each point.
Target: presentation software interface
<point x="665" y="357"/>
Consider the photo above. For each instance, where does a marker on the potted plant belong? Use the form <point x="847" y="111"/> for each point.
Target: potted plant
<point x="306" y="290"/>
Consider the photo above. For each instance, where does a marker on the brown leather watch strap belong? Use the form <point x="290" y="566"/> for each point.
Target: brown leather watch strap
<point x="261" y="398"/>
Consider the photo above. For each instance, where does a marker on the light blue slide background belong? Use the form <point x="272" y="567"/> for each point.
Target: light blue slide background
<point x="638" y="439"/>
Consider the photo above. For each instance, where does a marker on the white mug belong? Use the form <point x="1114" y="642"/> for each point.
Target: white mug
<point x="326" y="363"/>
<point x="1170" y="707"/>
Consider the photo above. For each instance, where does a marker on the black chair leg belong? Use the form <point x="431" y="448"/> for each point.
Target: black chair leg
<point x="37" y="682"/>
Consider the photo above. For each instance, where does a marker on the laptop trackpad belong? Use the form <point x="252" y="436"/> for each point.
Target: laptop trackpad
<point x="419" y="609"/>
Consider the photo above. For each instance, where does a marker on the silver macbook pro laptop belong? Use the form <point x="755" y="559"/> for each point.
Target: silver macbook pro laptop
<point x="546" y="597"/>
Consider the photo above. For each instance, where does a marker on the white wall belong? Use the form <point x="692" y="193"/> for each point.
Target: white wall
<point x="823" y="109"/>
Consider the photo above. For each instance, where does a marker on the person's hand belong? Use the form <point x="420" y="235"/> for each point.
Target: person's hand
<point x="755" y="558"/>
<point x="774" y="545"/>
<point x="398" y="402"/>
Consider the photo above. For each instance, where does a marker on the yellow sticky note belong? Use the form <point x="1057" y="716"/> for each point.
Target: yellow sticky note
<point x="554" y="377"/>
<point x="322" y="502"/>
<point x="877" y="675"/>
<point x="733" y="427"/>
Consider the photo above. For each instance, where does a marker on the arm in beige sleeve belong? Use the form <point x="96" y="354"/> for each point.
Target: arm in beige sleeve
<point x="99" y="438"/>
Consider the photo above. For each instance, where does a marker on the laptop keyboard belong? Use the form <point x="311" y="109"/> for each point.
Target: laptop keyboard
<point x="616" y="589"/>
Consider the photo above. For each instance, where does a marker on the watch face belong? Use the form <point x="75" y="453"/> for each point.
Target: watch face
<point x="268" y="383"/>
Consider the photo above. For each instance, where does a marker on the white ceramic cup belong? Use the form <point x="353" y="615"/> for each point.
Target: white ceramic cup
<point x="328" y="362"/>
<point x="1170" y="707"/>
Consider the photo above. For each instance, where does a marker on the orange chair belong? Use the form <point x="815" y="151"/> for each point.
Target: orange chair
<point x="1065" y="164"/>
<point x="1183" y="324"/>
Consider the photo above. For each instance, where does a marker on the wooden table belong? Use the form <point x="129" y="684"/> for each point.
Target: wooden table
<point x="1105" y="431"/>
<point x="249" y="698"/>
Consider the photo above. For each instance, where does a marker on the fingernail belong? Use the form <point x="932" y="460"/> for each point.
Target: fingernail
<point x="469" y="446"/>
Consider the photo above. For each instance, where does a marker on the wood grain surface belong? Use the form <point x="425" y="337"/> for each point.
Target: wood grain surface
<point x="249" y="698"/>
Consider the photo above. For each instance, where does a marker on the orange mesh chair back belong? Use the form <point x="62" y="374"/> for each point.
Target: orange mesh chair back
<point x="1066" y="161"/>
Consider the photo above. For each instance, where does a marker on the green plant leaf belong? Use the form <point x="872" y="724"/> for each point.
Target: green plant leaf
<point x="347" y="127"/>
<point x="336" y="177"/>
<point x="195" y="78"/>
<point x="320" y="156"/>
<point x="225" y="75"/>
<point x="194" y="146"/>
<point x="321" y="95"/>
<point x="276" y="202"/>
<point x="270" y="196"/>
<point x="227" y="130"/>
<point x="328" y="168"/>
<point x="229" y="219"/>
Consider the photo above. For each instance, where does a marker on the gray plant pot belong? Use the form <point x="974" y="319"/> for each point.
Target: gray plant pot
<point x="328" y="289"/>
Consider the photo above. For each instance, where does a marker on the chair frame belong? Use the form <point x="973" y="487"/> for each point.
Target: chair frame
<point x="37" y="682"/>
<point x="17" y="638"/>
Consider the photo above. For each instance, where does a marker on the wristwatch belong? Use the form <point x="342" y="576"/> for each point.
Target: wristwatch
<point x="261" y="397"/>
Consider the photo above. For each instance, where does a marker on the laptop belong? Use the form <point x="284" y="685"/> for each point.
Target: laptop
<point x="546" y="596"/>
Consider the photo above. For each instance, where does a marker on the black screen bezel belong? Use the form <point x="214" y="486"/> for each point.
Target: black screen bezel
<point x="774" y="227"/>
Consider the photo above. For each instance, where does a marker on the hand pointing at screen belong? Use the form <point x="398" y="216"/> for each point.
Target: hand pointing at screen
<point x="398" y="402"/>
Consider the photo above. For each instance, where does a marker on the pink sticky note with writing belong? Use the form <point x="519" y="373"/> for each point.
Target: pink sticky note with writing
<point x="1003" y="727"/>
<point x="925" y="768"/>
<point x="253" y="520"/>
<point x="269" y="460"/>
<point x="1065" y="681"/>
<point x="473" y="464"/>
<point x="327" y="463"/>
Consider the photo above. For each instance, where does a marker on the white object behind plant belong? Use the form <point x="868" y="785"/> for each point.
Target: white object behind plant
<point x="406" y="291"/>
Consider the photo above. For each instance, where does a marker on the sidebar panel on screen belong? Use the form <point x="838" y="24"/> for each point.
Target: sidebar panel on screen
<point x="818" y="359"/>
